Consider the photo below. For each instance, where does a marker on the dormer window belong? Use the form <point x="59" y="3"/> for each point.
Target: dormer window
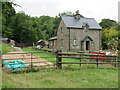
<point x="85" y="26"/>
<point x="77" y="16"/>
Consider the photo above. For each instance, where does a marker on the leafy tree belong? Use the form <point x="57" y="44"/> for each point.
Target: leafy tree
<point x="7" y="13"/>
<point x="109" y="33"/>
<point x="47" y="26"/>
<point x="109" y="37"/>
<point x="56" y="22"/>
<point x="24" y="28"/>
<point x="68" y="13"/>
<point x="107" y="23"/>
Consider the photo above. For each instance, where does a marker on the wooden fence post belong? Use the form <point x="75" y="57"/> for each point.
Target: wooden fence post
<point x="116" y="61"/>
<point x="31" y="61"/>
<point x="97" y="61"/>
<point x="80" y="59"/>
<point x="58" y="60"/>
<point x="1" y="59"/>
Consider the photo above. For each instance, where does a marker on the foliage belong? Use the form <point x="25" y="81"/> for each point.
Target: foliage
<point x="28" y="29"/>
<point x="66" y="14"/>
<point x="46" y="26"/>
<point x="25" y="29"/>
<point x="7" y="13"/>
<point x="110" y="34"/>
<point x="107" y="23"/>
<point x="110" y="38"/>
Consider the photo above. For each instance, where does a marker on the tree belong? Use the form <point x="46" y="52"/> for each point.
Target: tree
<point x="7" y="13"/>
<point x="107" y="23"/>
<point x="56" y="22"/>
<point x="68" y="13"/>
<point x="109" y="38"/>
<point x="46" y="26"/>
<point x="24" y="28"/>
<point x="109" y="33"/>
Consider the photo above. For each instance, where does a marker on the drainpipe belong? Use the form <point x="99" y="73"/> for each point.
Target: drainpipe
<point x="69" y="39"/>
<point x="99" y="40"/>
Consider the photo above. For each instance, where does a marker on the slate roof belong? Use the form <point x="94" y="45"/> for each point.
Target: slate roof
<point x="72" y="22"/>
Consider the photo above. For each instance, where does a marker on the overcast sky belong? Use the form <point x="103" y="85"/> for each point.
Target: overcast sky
<point x="97" y="9"/>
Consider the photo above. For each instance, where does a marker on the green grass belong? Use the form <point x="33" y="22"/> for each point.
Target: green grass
<point x="53" y="58"/>
<point x="5" y="48"/>
<point x="87" y="76"/>
<point x="51" y="55"/>
<point x="83" y="78"/>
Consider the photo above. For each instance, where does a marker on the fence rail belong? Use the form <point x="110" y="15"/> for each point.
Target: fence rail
<point x="91" y="59"/>
<point x="31" y="60"/>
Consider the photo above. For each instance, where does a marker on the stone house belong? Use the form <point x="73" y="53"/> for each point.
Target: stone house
<point x="76" y="33"/>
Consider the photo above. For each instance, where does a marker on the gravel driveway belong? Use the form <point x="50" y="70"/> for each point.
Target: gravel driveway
<point x="26" y="57"/>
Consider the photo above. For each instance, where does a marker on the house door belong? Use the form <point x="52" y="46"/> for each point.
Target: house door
<point x="87" y="45"/>
<point x="82" y="46"/>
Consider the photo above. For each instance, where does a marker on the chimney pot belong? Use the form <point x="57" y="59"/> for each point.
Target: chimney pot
<point x="77" y="15"/>
<point x="77" y="12"/>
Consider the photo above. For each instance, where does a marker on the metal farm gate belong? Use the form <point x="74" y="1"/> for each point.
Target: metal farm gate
<point x="30" y="60"/>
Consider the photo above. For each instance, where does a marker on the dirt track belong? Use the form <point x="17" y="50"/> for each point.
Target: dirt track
<point x="23" y="57"/>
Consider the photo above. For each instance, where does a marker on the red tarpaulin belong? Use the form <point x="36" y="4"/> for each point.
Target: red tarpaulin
<point x="98" y="53"/>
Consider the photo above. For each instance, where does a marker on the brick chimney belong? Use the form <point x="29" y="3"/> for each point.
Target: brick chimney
<point x="77" y="14"/>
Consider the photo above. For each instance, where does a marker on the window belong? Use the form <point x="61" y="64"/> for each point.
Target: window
<point x="85" y="26"/>
<point x="74" y="41"/>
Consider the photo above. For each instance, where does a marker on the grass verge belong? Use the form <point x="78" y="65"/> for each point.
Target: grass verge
<point x="83" y="78"/>
<point x="68" y="77"/>
<point x="5" y="48"/>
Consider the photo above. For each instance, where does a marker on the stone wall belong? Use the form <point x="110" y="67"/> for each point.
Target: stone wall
<point x="79" y="35"/>
<point x="62" y="35"/>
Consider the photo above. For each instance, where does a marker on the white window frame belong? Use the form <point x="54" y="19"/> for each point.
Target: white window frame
<point x="74" y="42"/>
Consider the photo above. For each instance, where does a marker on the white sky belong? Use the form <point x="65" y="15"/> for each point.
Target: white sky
<point x="98" y="9"/>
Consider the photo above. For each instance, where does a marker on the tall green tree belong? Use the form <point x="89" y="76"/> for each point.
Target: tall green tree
<point x="46" y="26"/>
<point x="107" y="23"/>
<point x="24" y="28"/>
<point x="110" y="38"/>
<point x="110" y="29"/>
<point x="7" y="13"/>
